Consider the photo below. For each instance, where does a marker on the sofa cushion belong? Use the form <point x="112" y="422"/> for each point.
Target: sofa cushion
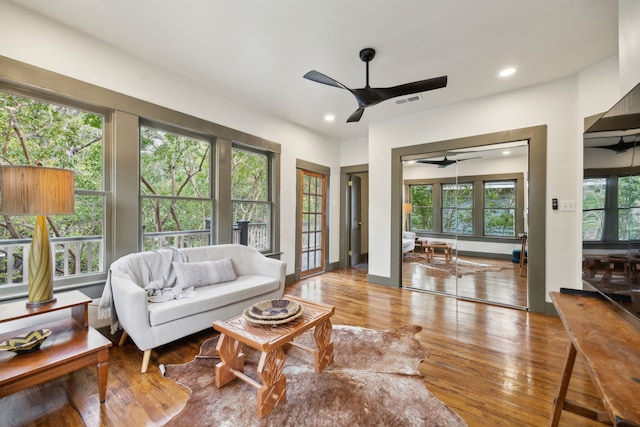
<point x="208" y="298"/>
<point x="203" y="273"/>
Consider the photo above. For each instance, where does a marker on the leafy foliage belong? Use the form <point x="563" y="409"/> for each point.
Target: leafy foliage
<point x="173" y="168"/>
<point x="594" y="192"/>
<point x="46" y="134"/>
<point x="499" y="204"/>
<point x="457" y="208"/>
<point x="629" y="208"/>
<point x="421" y="207"/>
<point x="250" y="186"/>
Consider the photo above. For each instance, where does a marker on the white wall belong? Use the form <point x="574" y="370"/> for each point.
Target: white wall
<point x="629" y="43"/>
<point x="354" y="152"/>
<point x="38" y="41"/>
<point x="554" y="104"/>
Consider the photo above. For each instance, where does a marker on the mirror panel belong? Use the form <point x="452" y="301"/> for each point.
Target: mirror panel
<point x="611" y="217"/>
<point x="473" y="200"/>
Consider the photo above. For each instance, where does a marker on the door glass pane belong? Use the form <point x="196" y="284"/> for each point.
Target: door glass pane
<point x="312" y="222"/>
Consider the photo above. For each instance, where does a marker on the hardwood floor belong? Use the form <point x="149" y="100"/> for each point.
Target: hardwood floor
<point x="494" y="366"/>
<point x="501" y="284"/>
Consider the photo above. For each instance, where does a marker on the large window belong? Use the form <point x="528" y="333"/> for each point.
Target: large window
<point x="594" y="191"/>
<point x="251" y="196"/>
<point x="611" y="208"/>
<point x="482" y="206"/>
<point x="629" y="207"/>
<point x="35" y="132"/>
<point x="499" y="208"/>
<point x="145" y="176"/>
<point x="175" y="189"/>
<point x="457" y="208"/>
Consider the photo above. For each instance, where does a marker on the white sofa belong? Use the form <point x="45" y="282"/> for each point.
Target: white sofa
<point x="151" y="324"/>
<point x="408" y="241"/>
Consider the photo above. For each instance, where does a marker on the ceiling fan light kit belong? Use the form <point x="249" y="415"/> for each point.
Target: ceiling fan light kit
<point x="368" y="96"/>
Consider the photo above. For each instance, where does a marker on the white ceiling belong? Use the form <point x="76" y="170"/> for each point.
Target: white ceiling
<point x="257" y="51"/>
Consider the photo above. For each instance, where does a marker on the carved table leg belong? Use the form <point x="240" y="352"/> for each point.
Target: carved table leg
<point x="274" y="383"/>
<point x="231" y="359"/>
<point x="323" y="356"/>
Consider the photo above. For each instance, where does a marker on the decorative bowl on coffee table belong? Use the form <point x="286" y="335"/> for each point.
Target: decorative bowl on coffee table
<point x="273" y="312"/>
<point x="26" y="343"/>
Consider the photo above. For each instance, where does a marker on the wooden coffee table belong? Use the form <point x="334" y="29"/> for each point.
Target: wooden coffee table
<point x="270" y="340"/>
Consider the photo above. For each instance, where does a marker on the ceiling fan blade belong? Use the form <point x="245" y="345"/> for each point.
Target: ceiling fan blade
<point x="356" y="116"/>
<point x="619" y="147"/>
<point x="411" y="88"/>
<point x="325" y="80"/>
<point x="368" y="96"/>
<point x="445" y="162"/>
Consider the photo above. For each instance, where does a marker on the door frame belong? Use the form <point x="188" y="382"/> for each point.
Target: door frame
<point x="537" y="137"/>
<point x="322" y="170"/>
<point x="345" y="171"/>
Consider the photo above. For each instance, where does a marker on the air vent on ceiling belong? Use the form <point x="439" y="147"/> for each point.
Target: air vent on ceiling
<point x="411" y="98"/>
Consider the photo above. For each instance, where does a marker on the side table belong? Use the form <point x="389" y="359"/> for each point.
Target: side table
<point x="72" y="345"/>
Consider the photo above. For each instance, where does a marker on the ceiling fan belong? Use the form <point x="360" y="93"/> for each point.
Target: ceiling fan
<point x="444" y="162"/>
<point x="620" y="146"/>
<point x="369" y="96"/>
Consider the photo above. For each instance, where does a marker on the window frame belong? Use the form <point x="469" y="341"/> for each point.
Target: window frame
<point x="270" y="198"/>
<point x="478" y="201"/>
<point x="60" y="283"/>
<point x="210" y="198"/>
<point x="511" y="209"/>
<point x="612" y="176"/>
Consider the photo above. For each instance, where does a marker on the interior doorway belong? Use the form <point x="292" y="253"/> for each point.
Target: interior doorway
<point x="536" y="214"/>
<point x="472" y="200"/>
<point x="358" y="220"/>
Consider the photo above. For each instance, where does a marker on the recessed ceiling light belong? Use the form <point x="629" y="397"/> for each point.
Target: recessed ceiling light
<point x="329" y="117"/>
<point x="507" y="72"/>
<point x="506" y="152"/>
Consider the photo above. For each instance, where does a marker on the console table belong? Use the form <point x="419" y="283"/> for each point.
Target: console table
<point x="609" y="345"/>
<point x="73" y="344"/>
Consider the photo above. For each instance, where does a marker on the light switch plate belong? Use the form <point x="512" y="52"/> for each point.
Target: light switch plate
<point x="567" y="205"/>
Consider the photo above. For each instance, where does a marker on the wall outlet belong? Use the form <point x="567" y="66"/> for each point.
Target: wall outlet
<point x="567" y="205"/>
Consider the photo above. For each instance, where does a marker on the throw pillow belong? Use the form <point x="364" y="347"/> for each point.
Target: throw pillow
<point x="203" y="273"/>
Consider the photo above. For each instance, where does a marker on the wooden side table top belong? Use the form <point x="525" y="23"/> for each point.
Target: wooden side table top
<point x="72" y="345"/>
<point x="610" y="346"/>
<point x="73" y="299"/>
<point x="265" y="337"/>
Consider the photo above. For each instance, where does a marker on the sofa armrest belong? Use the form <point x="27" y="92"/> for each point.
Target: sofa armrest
<point x="269" y="267"/>
<point x="131" y="307"/>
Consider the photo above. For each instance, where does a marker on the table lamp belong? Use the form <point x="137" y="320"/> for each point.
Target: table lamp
<point x="40" y="191"/>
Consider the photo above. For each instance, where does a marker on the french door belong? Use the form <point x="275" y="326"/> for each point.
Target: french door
<point x="313" y="222"/>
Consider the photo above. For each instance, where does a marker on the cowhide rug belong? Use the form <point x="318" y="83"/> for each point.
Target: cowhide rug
<point x="373" y="381"/>
<point x="457" y="267"/>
